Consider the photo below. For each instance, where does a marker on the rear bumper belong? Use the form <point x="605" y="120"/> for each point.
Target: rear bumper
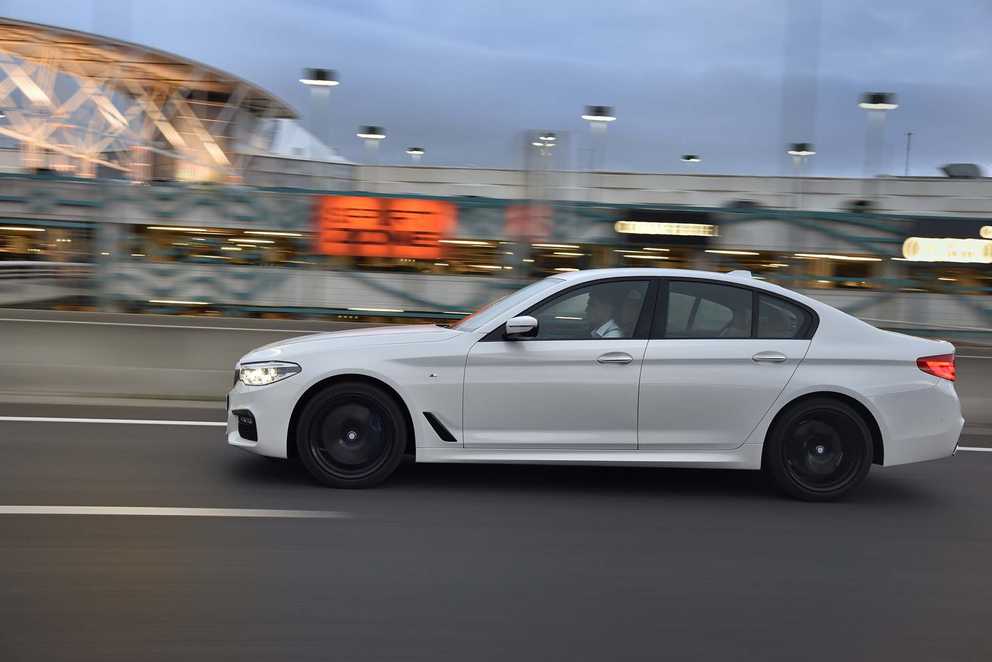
<point x="928" y="428"/>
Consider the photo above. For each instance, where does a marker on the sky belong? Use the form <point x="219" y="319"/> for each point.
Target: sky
<point x="731" y="80"/>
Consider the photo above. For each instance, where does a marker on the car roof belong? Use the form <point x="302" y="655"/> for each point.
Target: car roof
<point x="596" y="274"/>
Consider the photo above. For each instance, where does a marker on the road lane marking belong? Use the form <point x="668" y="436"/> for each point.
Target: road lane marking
<point x="135" y="511"/>
<point x="115" y="421"/>
<point x="974" y="449"/>
<point x="972" y="356"/>
<point x="148" y="325"/>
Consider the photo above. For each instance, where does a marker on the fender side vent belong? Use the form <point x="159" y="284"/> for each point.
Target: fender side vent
<point x="442" y="432"/>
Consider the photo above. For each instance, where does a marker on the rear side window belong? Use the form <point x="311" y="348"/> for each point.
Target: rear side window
<point x="780" y="319"/>
<point x="706" y="310"/>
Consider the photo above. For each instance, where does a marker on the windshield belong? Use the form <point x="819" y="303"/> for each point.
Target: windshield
<point x="496" y="308"/>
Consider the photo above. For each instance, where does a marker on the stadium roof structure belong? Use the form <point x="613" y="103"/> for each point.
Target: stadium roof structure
<point x="76" y="101"/>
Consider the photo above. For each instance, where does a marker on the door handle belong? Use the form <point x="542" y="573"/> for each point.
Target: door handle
<point x="621" y="358"/>
<point x="769" y="357"/>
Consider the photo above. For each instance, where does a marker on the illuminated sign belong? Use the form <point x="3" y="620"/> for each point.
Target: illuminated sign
<point x="946" y="249"/>
<point x="382" y="227"/>
<point x="668" y="229"/>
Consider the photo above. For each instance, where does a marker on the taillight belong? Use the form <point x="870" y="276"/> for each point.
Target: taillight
<point x="941" y="366"/>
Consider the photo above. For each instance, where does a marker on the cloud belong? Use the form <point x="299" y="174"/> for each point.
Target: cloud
<point x="466" y="79"/>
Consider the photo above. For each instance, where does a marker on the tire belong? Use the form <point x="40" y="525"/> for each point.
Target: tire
<point x="818" y="450"/>
<point x="351" y="435"/>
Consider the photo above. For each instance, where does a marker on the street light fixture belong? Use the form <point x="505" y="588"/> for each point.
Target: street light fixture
<point x="691" y="158"/>
<point x="416" y="153"/>
<point x="878" y="101"/>
<point x="801" y="149"/>
<point x="320" y="77"/>
<point x="373" y="133"/>
<point x="545" y="140"/>
<point x="599" y="114"/>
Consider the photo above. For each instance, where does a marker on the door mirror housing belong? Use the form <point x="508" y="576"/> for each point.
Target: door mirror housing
<point x="523" y="326"/>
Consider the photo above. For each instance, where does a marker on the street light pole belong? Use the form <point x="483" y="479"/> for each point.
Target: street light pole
<point x="320" y="82"/>
<point x="799" y="153"/>
<point x="909" y="145"/>
<point x="877" y="104"/>
<point x="372" y="135"/>
<point x="599" y="117"/>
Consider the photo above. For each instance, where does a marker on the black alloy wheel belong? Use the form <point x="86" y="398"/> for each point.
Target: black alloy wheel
<point x="819" y="450"/>
<point x="351" y="435"/>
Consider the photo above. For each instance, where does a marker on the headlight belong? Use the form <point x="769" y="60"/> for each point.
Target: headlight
<point x="260" y="374"/>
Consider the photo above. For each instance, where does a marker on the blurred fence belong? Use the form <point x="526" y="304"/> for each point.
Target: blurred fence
<point x="106" y="277"/>
<point x="28" y="282"/>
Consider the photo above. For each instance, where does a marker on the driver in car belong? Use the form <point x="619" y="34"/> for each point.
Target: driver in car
<point x="600" y="314"/>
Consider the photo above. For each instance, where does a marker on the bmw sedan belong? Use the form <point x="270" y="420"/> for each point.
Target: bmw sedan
<point x="652" y="367"/>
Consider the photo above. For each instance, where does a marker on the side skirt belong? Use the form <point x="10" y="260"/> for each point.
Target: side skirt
<point x="747" y="456"/>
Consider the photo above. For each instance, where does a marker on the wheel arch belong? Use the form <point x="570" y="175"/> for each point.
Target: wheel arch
<point x="316" y="387"/>
<point x="877" y="441"/>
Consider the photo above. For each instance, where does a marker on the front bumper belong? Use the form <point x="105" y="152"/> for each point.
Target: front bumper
<point x="270" y="407"/>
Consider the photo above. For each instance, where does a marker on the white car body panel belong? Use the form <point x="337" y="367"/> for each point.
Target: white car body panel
<point x="693" y="403"/>
<point x="709" y="393"/>
<point x="552" y="394"/>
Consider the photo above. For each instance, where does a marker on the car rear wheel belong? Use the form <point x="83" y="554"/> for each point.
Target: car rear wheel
<point x="819" y="450"/>
<point x="351" y="435"/>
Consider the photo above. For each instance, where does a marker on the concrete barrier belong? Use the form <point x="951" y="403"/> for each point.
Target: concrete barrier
<point x="131" y="356"/>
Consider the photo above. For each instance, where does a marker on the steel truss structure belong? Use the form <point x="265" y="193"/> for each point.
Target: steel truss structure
<point x="78" y="103"/>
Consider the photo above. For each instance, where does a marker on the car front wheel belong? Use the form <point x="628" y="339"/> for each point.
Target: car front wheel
<point x="351" y="435"/>
<point x="819" y="450"/>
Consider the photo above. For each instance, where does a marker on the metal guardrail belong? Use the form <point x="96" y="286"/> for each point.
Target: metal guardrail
<point x="27" y="269"/>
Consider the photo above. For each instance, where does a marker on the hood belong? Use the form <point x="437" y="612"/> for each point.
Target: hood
<point x="352" y="338"/>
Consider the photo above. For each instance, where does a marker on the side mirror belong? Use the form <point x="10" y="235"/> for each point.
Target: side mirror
<point x="521" y="327"/>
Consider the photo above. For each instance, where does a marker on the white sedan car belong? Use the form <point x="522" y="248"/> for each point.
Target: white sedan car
<point x="656" y="367"/>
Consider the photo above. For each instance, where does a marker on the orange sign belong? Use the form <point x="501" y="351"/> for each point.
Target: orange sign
<point x="383" y="227"/>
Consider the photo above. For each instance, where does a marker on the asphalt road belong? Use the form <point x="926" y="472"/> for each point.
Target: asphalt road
<point x="472" y="562"/>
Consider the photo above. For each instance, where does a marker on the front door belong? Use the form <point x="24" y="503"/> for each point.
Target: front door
<point x="571" y="386"/>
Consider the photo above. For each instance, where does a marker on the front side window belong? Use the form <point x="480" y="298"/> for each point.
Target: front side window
<point x="598" y="311"/>
<point x="706" y="310"/>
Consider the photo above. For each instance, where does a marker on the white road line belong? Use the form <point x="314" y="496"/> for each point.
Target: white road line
<point x="115" y="421"/>
<point x="160" y="326"/>
<point x="974" y="449"/>
<point x="172" y="512"/>
<point x="972" y="356"/>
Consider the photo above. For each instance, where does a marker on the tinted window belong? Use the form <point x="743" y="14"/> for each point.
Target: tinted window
<point x="780" y="319"/>
<point x="707" y="310"/>
<point x="600" y="311"/>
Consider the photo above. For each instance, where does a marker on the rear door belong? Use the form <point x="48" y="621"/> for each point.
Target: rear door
<point x="713" y="367"/>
